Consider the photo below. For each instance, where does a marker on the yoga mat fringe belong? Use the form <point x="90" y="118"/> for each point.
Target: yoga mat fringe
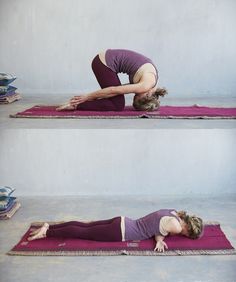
<point x="120" y="117"/>
<point x="143" y="115"/>
<point x="125" y="252"/>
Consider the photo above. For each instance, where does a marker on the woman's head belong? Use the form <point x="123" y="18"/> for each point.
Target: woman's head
<point x="148" y="101"/>
<point x="194" y="224"/>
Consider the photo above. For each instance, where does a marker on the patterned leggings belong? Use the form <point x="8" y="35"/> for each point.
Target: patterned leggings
<point x="106" y="78"/>
<point x="102" y="230"/>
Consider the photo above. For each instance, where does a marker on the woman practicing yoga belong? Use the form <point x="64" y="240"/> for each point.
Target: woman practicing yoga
<point x="159" y="224"/>
<point x="143" y="78"/>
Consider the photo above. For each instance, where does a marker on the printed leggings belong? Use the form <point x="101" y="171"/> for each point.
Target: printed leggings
<point x="106" y="78"/>
<point x="103" y="230"/>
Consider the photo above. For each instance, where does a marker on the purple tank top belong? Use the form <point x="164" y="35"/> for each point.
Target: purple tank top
<point x="126" y="61"/>
<point x="147" y="226"/>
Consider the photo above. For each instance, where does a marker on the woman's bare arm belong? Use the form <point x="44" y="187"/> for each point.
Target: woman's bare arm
<point x="108" y="92"/>
<point x="173" y="226"/>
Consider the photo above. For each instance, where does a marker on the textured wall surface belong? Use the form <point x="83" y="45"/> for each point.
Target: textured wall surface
<point x="49" y="44"/>
<point x="119" y="162"/>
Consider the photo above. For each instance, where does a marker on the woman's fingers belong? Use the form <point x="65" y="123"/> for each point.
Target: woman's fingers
<point x="73" y="100"/>
<point x="65" y="107"/>
<point x="160" y="247"/>
<point x="76" y="103"/>
<point x="77" y="100"/>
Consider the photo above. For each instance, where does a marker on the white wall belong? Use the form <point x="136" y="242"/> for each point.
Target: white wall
<point x="122" y="162"/>
<point x="49" y="44"/>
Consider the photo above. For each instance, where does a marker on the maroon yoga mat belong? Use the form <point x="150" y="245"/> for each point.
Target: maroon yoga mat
<point x="213" y="242"/>
<point x="171" y="112"/>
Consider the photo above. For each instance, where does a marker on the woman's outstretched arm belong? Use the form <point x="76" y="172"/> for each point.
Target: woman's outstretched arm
<point x="108" y="92"/>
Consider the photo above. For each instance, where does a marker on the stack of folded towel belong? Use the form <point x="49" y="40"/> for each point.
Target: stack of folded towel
<point x="7" y="92"/>
<point x="8" y="204"/>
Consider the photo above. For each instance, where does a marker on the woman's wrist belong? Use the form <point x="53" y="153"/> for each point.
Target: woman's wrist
<point x="89" y="97"/>
<point x="159" y="238"/>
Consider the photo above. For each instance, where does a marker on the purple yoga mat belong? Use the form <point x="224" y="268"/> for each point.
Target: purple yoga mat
<point x="171" y="112"/>
<point x="213" y="241"/>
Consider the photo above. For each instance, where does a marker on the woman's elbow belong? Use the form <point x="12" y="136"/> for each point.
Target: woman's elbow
<point x="142" y="89"/>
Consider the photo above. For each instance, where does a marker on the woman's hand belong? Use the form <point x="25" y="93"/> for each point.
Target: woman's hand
<point x="76" y="100"/>
<point x="160" y="246"/>
<point x="66" y="107"/>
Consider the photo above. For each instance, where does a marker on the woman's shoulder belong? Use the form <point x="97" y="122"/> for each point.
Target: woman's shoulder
<point x="170" y="224"/>
<point x="147" y="68"/>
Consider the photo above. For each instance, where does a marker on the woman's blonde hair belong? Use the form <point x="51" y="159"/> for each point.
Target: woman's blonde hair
<point x="150" y="103"/>
<point x="194" y="224"/>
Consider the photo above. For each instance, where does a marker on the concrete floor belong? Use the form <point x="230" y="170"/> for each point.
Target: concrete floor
<point x="120" y="268"/>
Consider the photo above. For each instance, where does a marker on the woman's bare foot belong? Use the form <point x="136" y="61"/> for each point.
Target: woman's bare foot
<point x="39" y="233"/>
<point x="35" y="231"/>
<point x="66" y="107"/>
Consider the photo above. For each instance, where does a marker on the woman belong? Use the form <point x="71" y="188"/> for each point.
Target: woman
<point x="143" y="78"/>
<point x="159" y="224"/>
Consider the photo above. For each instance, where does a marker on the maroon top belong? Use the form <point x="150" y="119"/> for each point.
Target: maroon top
<point x="126" y="61"/>
<point x="147" y="226"/>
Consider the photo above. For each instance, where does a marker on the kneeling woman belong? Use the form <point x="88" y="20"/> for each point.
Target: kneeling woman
<point x="143" y="78"/>
<point x="159" y="224"/>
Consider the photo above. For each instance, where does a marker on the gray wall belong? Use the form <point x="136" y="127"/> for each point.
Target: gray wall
<point x="118" y="161"/>
<point x="49" y="44"/>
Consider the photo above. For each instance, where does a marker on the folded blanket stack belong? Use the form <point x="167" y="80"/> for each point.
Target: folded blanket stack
<point x="8" y="93"/>
<point x="8" y="204"/>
